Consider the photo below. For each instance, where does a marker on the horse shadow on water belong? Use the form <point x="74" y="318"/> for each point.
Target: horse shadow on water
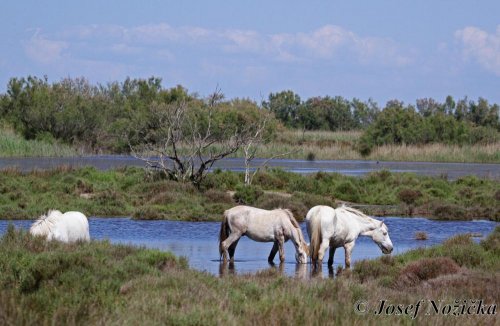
<point x="327" y="228"/>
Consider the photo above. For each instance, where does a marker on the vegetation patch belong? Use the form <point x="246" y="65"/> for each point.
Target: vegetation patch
<point x="145" y="195"/>
<point x="101" y="283"/>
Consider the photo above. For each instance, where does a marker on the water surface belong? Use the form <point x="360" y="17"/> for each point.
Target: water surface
<point x="347" y="167"/>
<point x="198" y="241"/>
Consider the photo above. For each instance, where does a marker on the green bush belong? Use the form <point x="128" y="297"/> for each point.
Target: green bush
<point x="247" y="194"/>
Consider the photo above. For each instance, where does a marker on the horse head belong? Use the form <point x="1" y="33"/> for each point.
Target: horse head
<point x="380" y="235"/>
<point x="302" y="253"/>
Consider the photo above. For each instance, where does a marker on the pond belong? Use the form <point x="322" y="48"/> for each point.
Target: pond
<point x="451" y="171"/>
<point x="198" y="241"/>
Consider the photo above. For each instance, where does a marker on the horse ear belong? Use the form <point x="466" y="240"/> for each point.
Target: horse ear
<point x="381" y="222"/>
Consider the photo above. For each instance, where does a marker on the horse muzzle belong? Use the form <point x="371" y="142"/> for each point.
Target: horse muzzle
<point x="386" y="250"/>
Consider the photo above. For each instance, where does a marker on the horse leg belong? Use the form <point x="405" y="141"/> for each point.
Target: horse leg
<point x="330" y="256"/>
<point x="281" y="244"/>
<point x="234" y="236"/>
<point x="322" y="248"/>
<point x="348" y="250"/>
<point x="231" y="249"/>
<point x="273" y="252"/>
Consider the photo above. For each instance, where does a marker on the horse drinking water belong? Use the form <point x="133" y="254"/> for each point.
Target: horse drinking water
<point x="261" y="225"/>
<point x="67" y="227"/>
<point x="340" y="227"/>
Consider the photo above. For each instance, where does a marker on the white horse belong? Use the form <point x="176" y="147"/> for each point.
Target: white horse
<point x="261" y="225"/>
<point x="328" y="227"/>
<point x="67" y="227"/>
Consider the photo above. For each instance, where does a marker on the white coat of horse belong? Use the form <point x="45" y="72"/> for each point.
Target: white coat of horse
<point x="340" y="227"/>
<point x="67" y="227"/>
<point x="261" y="225"/>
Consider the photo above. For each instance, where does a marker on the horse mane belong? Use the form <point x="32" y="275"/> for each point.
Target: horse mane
<point x="296" y="225"/>
<point x="356" y="212"/>
<point x="43" y="225"/>
<point x="359" y="213"/>
<point x="291" y="217"/>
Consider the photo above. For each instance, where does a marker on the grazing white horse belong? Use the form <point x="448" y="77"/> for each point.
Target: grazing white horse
<point x="67" y="227"/>
<point x="340" y="227"/>
<point x="261" y="225"/>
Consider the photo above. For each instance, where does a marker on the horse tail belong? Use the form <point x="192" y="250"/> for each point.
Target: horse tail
<point x="314" y="228"/>
<point x="224" y="233"/>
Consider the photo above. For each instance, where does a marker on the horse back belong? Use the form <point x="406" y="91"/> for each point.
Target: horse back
<point x="74" y="225"/>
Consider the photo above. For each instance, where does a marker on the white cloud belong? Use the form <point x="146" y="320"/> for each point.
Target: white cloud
<point x="43" y="50"/>
<point x="162" y="41"/>
<point x="325" y="40"/>
<point x="481" y="46"/>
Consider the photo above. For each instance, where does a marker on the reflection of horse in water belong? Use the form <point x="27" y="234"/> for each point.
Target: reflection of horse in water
<point x="261" y="225"/>
<point x="340" y="227"/>
<point x="229" y="268"/>
<point x="67" y="227"/>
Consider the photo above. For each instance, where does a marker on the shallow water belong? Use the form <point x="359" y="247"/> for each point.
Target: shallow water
<point x="197" y="241"/>
<point x="346" y="167"/>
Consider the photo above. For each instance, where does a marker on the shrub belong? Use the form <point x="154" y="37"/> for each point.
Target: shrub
<point x="425" y="269"/>
<point x="409" y="196"/>
<point x="371" y="269"/>
<point x="346" y="190"/>
<point x="421" y="235"/>
<point x="247" y="194"/>
<point x="449" y="212"/>
<point x="492" y="243"/>
<point x="311" y="200"/>
<point x="272" y="201"/>
<point x="218" y="196"/>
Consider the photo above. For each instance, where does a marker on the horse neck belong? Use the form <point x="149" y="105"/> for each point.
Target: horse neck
<point x="365" y="224"/>
<point x="295" y="230"/>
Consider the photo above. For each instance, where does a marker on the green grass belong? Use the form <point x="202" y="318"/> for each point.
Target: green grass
<point x="14" y="145"/>
<point x="135" y="192"/>
<point x="98" y="283"/>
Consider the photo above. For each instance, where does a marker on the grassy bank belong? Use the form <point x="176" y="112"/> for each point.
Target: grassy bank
<point x="98" y="283"/>
<point x="134" y="192"/>
<point x="14" y="145"/>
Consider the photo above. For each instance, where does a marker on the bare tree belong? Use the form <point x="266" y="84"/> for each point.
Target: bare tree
<point x="256" y="135"/>
<point x="186" y="141"/>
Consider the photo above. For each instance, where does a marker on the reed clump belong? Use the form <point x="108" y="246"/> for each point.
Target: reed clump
<point x="421" y="235"/>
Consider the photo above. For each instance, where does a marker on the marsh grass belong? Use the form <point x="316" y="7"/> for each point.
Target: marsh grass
<point x="460" y="249"/>
<point x="296" y="144"/>
<point x="99" y="283"/>
<point x="135" y="192"/>
<point x="14" y="145"/>
<point x="327" y="145"/>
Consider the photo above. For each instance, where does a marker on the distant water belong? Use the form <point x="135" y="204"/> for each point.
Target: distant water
<point x="198" y="241"/>
<point x="347" y="167"/>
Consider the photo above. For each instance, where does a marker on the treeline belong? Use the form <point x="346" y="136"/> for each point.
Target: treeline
<point x="461" y="122"/>
<point x="321" y="113"/>
<point x="466" y="122"/>
<point x="111" y="117"/>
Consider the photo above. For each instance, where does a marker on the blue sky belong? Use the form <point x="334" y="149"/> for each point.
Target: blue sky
<point x="384" y="49"/>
